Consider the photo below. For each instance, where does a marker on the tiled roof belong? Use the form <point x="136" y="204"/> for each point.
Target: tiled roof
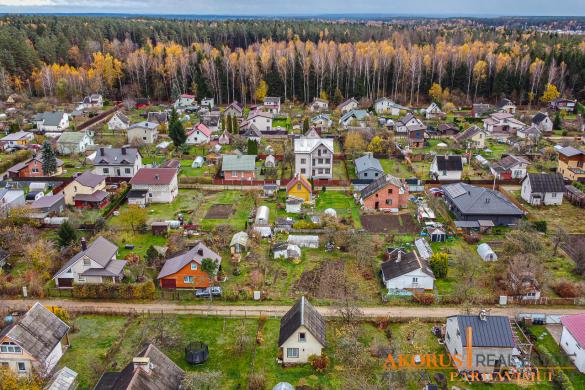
<point x="154" y="176"/>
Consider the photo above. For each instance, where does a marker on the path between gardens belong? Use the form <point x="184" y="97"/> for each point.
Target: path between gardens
<point x="405" y="312"/>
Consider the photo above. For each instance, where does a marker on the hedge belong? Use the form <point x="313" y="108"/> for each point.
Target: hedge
<point x="144" y="290"/>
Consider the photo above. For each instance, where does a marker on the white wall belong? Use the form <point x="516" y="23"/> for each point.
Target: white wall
<point x="310" y="347"/>
<point x="406" y="281"/>
<point x="573" y="349"/>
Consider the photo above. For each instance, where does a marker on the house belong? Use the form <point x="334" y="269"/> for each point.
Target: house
<point x="143" y="133"/>
<point x="51" y="123"/>
<point x="199" y="134"/>
<point x="470" y="203"/>
<point x="489" y="339"/>
<point x="563" y="105"/>
<point x="573" y="339"/>
<point x="185" y="270"/>
<point x="119" y="121"/>
<point x="314" y="157"/>
<point x="319" y="105"/>
<point x="446" y="129"/>
<point x="224" y="138"/>
<point x="258" y="119"/>
<point x="95" y="263"/>
<point x="157" y="117"/>
<point x="486" y="252"/>
<point x="87" y="190"/>
<point x="74" y="142"/>
<point x="33" y="167"/>
<point x="271" y="104"/>
<point x="238" y="167"/>
<point x="385" y="106"/>
<point x="532" y="133"/>
<point x="184" y="100"/>
<point x="406" y="271"/>
<point x="386" y="193"/>
<point x="154" y="185"/>
<point x="481" y="110"/>
<point x="234" y="109"/>
<point x="95" y="100"/>
<point x="543" y="122"/>
<point x="300" y="188"/>
<point x="10" y="199"/>
<point x="239" y="243"/>
<point x="416" y="138"/>
<point x="284" y="250"/>
<point x="354" y="118"/>
<point x="20" y="138"/>
<point x="252" y="133"/>
<point x="502" y="124"/>
<point x="368" y="167"/>
<point x="304" y="241"/>
<point x="473" y="137"/>
<point x="543" y="189"/>
<point x="208" y="102"/>
<point x="571" y="163"/>
<point x="149" y="370"/>
<point x="510" y="167"/>
<point x="33" y="343"/>
<point x="447" y="167"/>
<point x="348" y="105"/>
<point x="117" y="162"/>
<point x="322" y="121"/>
<point x="507" y="106"/>
<point x="302" y="333"/>
<point x="433" y="111"/>
<point x="408" y="122"/>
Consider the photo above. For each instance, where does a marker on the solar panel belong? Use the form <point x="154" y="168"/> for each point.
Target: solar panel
<point x="456" y="190"/>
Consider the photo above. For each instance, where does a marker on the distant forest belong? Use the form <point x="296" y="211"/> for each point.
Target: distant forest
<point x="474" y="60"/>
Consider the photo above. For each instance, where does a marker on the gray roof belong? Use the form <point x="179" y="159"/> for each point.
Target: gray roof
<point x="271" y="99"/>
<point x="449" y="163"/>
<point x="64" y="379"/>
<point x="37" y="332"/>
<point x="157" y="117"/>
<point x="100" y="250"/>
<point x="243" y="162"/>
<point x="467" y="133"/>
<point x="115" y="156"/>
<point x="89" y="179"/>
<point x="114" y="268"/>
<point x="480" y="201"/>
<point x="538" y="118"/>
<point x="378" y="184"/>
<point x="495" y="331"/>
<point x="50" y="118"/>
<point x="401" y="263"/>
<point x="72" y="137"/>
<point x="302" y="314"/>
<point x="16" y="136"/>
<point x="145" y="125"/>
<point x="570" y="151"/>
<point x="366" y="162"/>
<point x="197" y="254"/>
<point x="96" y="196"/>
<point x="122" y="117"/>
<point x="164" y="375"/>
<point x="46" y="201"/>
<point x="542" y="182"/>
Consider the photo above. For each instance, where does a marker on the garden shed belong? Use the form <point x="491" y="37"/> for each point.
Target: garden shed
<point x="486" y="252"/>
<point x="270" y="162"/>
<point x="239" y="243"/>
<point x="438" y="235"/>
<point x="198" y="162"/>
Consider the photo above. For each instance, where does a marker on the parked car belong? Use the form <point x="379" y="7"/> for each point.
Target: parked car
<point x="207" y="292"/>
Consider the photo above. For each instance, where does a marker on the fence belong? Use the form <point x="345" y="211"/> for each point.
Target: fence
<point x="92" y="121"/>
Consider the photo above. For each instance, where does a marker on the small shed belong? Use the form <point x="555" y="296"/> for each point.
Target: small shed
<point x="262" y="215"/>
<point x="160" y="228"/>
<point x="293" y="205"/>
<point x="438" y="235"/>
<point x="284" y="250"/>
<point x="423" y="248"/>
<point x="269" y="189"/>
<point x="198" y="162"/>
<point x="304" y="241"/>
<point x="486" y="252"/>
<point x="270" y="162"/>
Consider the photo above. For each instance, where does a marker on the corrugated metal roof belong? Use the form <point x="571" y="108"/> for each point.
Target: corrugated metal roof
<point x="494" y="331"/>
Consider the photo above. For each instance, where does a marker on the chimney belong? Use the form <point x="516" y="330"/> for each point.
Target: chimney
<point x="101" y="151"/>
<point x="142" y="363"/>
<point x="83" y="244"/>
<point x="483" y="315"/>
<point x="123" y="150"/>
<point x="200" y="251"/>
<point x="399" y="256"/>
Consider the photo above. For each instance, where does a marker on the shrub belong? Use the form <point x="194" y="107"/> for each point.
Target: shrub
<point x="144" y="290"/>
<point x="540" y="226"/>
<point x="471" y="238"/>
<point x="319" y="363"/>
<point x="440" y="265"/>
<point x="424" y="298"/>
<point x="562" y="380"/>
<point x="256" y="381"/>
<point x="566" y="289"/>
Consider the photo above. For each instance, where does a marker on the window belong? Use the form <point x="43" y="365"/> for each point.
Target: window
<point x="235" y="173"/>
<point x="187" y="279"/>
<point x="389" y="191"/>
<point x="35" y="170"/>
<point x="127" y="170"/>
<point x="327" y="160"/>
<point x="327" y="170"/>
<point x="75" y="188"/>
<point x="375" y="174"/>
<point x="21" y="367"/>
<point x="303" y="160"/>
<point x="292" y="352"/>
<point x="299" y="187"/>
<point x="389" y="202"/>
<point x="106" y="170"/>
<point x="320" y="161"/>
<point x="303" y="171"/>
<point x="302" y="337"/>
<point x="414" y="280"/>
<point x="86" y="262"/>
<point x="365" y="174"/>
<point x="193" y="266"/>
<point x="9" y="347"/>
<point x="81" y="279"/>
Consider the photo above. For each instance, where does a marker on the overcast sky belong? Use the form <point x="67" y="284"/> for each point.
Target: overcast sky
<point x="303" y="7"/>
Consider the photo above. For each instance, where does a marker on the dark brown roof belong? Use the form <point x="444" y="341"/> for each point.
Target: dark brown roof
<point x="542" y="182"/>
<point x="401" y="263"/>
<point x="89" y="179"/>
<point x="153" y="176"/>
<point x="302" y="314"/>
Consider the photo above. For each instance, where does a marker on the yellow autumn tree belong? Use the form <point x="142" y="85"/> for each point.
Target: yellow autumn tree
<point x="550" y="93"/>
<point x="261" y="91"/>
<point x="354" y="142"/>
<point x="105" y="69"/>
<point x="377" y="145"/>
<point x="436" y="92"/>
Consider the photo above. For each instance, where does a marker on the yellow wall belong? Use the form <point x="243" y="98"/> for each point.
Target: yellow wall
<point x="302" y="193"/>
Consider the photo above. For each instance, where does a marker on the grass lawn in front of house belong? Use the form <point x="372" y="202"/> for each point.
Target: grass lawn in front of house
<point x="565" y="215"/>
<point x="342" y="203"/>
<point x="242" y="202"/>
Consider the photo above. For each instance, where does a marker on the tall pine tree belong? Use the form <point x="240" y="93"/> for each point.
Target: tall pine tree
<point x="49" y="159"/>
<point x="176" y="129"/>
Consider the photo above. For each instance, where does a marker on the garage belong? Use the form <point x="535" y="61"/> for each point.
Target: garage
<point x="168" y="283"/>
<point x="65" y="282"/>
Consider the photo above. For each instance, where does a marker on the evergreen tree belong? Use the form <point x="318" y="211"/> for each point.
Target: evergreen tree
<point x="176" y="130"/>
<point x="66" y="235"/>
<point x="252" y="148"/>
<point x="305" y="124"/>
<point x="49" y="159"/>
<point x="230" y="124"/>
<point x="235" y="125"/>
<point x="558" y="123"/>
<point x="337" y="97"/>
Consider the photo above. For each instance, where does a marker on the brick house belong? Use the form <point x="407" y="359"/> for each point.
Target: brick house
<point x="32" y="167"/>
<point x="238" y="167"/>
<point x="387" y="193"/>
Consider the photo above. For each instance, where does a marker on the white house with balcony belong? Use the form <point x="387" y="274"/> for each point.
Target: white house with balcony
<point x="314" y="157"/>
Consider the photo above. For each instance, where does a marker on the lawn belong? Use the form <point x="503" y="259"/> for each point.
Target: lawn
<point x="242" y="202"/>
<point x="342" y="203"/>
<point x="395" y="167"/>
<point x="339" y="172"/>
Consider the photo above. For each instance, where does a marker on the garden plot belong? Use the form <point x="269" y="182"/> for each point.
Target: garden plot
<point x="219" y="211"/>
<point x="383" y="223"/>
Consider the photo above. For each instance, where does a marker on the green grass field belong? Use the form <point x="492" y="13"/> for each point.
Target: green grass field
<point x="342" y="203"/>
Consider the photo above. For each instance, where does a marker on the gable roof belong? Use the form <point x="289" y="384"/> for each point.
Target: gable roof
<point x="17" y="136"/>
<point x="357" y="114"/>
<point x="272" y="100"/>
<point x="37" y="332"/>
<point x="302" y="314"/>
<point x="164" y="374"/>
<point x="401" y="263"/>
<point x="100" y="250"/>
<point x="157" y="117"/>
<point x="570" y="151"/>
<point x="575" y="324"/>
<point x="449" y="162"/>
<point x="244" y="162"/>
<point x="368" y="161"/>
<point x="116" y="156"/>
<point x="543" y="182"/>
<point x="380" y="183"/>
<point x="467" y="133"/>
<point x="72" y="137"/>
<point x="236" y="106"/>
<point x="202" y="128"/>
<point x="50" y="118"/>
<point x="494" y="331"/>
<point x="480" y="201"/>
<point x="89" y="179"/>
<point x="122" y="117"/>
<point x="299" y="179"/>
<point x="509" y="162"/>
<point x="46" y="201"/>
<point x="154" y="176"/>
<point x="148" y="125"/>
<point x="345" y="103"/>
<point x="197" y="254"/>
<point x="307" y="145"/>
<point x="505" y="102"/>
<point x="538" y="118"/>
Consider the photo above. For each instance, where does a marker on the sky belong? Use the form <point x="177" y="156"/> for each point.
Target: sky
<point x="303" y="7"/>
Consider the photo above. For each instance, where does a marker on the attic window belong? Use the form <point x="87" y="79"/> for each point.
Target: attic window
<point x="86" y="262"/>
<point x="9" y="347"/>
<point x="194" y="266"/>
<point x="302" y="337"/>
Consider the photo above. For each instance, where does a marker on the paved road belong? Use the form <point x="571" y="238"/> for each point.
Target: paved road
<point x="240" y="311"/>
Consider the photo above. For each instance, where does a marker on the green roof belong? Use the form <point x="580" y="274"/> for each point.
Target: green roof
<point x="244" y="162"/>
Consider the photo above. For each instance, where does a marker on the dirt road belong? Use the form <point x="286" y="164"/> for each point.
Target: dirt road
<point x="251" y="311"/>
